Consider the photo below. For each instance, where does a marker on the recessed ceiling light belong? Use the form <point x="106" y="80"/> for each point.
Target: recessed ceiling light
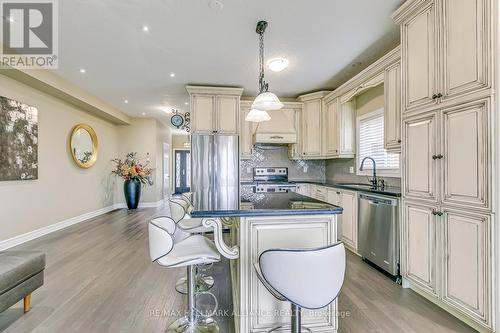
<point x="216" y="5"/>
<point x="82" y="70"/>
<point x="166" y="110"/>
<point x="172" y="74"/>
<point x="125" y="101"/>
<point x="186" y="103"/>
<point x="277" y="64"/>
<point x="144" y="113"/>
<point x="145" y="28"/>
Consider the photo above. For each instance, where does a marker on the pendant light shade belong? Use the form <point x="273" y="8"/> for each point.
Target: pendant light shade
<point x="267" y="101"/>
<point x="257" y="116"/>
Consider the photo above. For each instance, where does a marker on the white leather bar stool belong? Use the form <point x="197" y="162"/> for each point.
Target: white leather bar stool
<point x="166" y="250"/>
<point x="178" y="212"/>
<point x="307" y="278"/>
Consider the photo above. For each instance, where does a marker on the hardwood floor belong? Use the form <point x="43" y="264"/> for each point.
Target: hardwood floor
<point x="99" y="279"/>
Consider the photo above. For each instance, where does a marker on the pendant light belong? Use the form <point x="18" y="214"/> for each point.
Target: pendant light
<point x="266" y="100"/>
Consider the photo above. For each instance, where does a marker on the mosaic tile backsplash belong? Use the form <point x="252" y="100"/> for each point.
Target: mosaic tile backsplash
<point x="277" y="156"/>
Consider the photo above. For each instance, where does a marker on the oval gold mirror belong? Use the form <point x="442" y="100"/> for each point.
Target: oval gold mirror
<point x="83" y="145"/>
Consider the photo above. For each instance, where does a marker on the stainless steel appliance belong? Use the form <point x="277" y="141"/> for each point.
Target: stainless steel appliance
<point x="215" y="172"/>
<point x="378" y="231"/>
<point x="272" y="180"/>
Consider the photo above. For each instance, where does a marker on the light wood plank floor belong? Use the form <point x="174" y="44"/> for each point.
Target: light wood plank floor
<point x="99" y="279"/>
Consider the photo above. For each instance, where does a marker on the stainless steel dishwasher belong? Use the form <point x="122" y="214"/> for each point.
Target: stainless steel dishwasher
<point x="378" y="231"/>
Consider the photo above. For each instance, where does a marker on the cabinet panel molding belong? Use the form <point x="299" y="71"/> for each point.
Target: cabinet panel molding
<point x="419" y="241"/>
<point x="419" y="48"/>
<point x="466" y="46"/>
<point x="467" y="264"/>
<point x="420" y="168"/>
<point x="466" y="165"/>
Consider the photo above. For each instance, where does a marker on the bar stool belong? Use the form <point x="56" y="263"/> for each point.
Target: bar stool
<point x="166" y="250"/>
<point x="307" y="278"/>
<point x="190" y="225"/>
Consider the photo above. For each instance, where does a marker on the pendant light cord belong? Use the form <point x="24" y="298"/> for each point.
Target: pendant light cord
<point x="263" y="86"/>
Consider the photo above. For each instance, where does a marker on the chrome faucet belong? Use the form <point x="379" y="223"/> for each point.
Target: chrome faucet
<point x="373" y="181"/>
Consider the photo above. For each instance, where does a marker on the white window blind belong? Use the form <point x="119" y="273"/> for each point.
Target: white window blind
<point x="371" y="143"/>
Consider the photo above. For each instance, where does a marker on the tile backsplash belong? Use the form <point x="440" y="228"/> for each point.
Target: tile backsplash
<point x="338" y="171"/>
<point x="277" y="156"/>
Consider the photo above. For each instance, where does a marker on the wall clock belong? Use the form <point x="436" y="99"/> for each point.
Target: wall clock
<point x="180" y="120"/>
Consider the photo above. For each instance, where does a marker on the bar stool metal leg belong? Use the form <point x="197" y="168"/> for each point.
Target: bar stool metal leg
<point x="296" y="319"/>
<point x="193" y="323"/>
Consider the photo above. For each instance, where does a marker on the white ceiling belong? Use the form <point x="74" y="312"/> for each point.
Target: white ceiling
<point x="321" y="38"/>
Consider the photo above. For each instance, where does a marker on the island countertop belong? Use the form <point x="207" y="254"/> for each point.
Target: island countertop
<point x="263" y="204"/>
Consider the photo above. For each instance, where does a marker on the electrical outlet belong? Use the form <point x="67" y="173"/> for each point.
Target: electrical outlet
<point x="351" y="169"/>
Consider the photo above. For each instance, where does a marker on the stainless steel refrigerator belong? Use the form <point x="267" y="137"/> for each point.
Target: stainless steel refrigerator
<point x="215" y="172"/>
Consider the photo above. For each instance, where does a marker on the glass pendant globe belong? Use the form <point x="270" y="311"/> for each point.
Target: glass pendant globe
<point x="257" y="116"/>
<point x="267" y="101"/>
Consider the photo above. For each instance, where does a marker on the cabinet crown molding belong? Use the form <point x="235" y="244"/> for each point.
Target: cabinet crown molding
<point x="314" y="95"/>
<point x="214" y="90"/>
<point x="367" y="74"/>
<point x="407" y="8"/>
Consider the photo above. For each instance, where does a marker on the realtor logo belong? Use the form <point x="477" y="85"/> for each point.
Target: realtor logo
<point x="29" y="34"/>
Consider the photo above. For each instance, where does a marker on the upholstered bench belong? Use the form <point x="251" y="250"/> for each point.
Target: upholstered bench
<point x="21" y="272"/>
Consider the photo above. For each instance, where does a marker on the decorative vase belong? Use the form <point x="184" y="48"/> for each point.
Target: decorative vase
<point x="132" y="189"/>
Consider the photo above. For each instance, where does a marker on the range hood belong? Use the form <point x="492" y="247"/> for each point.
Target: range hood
<point x="281" y="129"/>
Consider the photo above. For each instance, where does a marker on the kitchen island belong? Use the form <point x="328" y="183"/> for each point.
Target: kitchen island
<point x="265" y="221"/>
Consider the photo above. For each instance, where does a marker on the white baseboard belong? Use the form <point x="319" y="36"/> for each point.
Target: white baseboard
<point x="17" y="240"/>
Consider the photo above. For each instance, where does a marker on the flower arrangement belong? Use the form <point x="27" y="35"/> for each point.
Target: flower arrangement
<point x="131" y="169"/>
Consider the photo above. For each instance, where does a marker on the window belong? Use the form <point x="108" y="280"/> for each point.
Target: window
<point x="370" y="128"/>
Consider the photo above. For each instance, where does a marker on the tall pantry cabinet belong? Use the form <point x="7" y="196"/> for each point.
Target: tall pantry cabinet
<point x="448" y="157"/>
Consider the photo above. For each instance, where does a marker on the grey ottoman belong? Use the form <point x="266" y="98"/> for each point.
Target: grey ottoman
<point x="21" y="272"/>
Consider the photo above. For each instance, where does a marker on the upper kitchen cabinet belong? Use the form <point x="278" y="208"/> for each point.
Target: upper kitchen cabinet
<point x="445" y="50"/>
<point x="466" y="46"/>
<point x="214" y="110"/>
<point x="311" y="127"/>
<point x="392" y="108"/>
<point x="246" y="131"/>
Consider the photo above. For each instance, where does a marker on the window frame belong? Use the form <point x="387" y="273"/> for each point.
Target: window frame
<point x="368" y="169"/>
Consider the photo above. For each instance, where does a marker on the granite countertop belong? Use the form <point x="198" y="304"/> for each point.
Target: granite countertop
<point x="266" y="204"/>
<point x="388" y="190"/>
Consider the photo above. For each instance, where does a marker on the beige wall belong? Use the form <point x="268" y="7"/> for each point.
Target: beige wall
<point x="370" y="100"/>
<point x="179" y="140"/>
<point x="63" y="190"/>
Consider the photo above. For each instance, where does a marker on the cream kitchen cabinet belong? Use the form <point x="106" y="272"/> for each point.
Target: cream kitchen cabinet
<point x="348" y="221"/>
<point x="447" y="254"/>
<point x="465" y="31"/>
<point x="311" y="129"/>
<point x="392" y="108"/>
<point x="214" y="110"/>
<point x="339" y="128"/>
<point x="445" y="50"/>
<point x="467" y="263"/>
<point x="421" y="146"/>
<point x="419" y="251"/>
<point x="303" y="189"/>
<point x="331" y="129"/>
<point x="246" y="133"/>
<point x="419" y="51"/>
<point x="311" y="134"/>
<point x="466" y="155"/>
<point x="448" y="156"/>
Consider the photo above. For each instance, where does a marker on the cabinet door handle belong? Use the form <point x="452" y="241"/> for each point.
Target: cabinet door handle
<point x="399" y="141"/>
<point x="435" y="212"/>
<point x="277" y="137"/>
<point x="434" y="96"/>
<point x="437" y="157"/>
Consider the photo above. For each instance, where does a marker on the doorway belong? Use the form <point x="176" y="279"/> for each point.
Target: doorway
<point x="182" y="168"/>
<point x="166" y="170"/>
